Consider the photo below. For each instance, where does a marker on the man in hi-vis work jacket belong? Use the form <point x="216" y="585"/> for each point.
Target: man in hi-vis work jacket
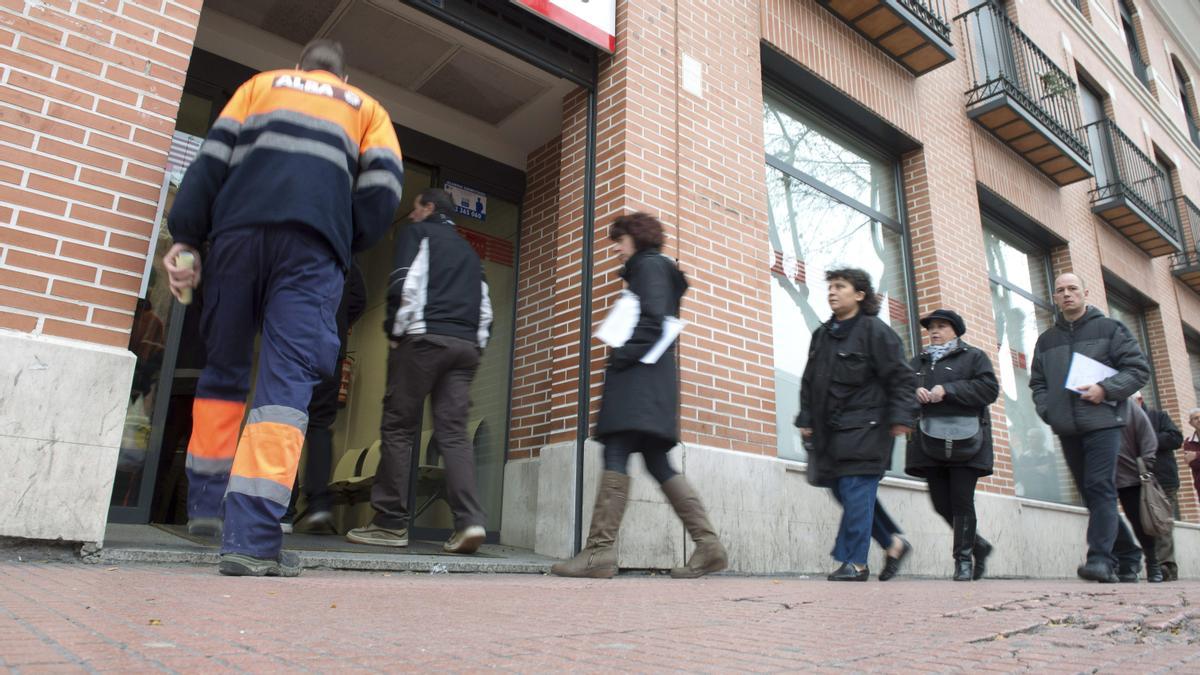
<point x="299" y="171"/>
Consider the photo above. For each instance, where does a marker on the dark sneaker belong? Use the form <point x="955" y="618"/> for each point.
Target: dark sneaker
<point x="316" y="522"/>
<point x="375" y="535"/>
<point x="465" y="541"/>
<point x="242" y="565"/>
<point x="1097" y="572"/>
<point x="204" y="527"/>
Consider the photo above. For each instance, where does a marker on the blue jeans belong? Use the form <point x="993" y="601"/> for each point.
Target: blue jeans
<point x="863" y="518"/>
<point x="1092" y="458"/>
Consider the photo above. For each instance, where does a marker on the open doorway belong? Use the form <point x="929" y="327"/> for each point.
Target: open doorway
<point x="468" y="114"/>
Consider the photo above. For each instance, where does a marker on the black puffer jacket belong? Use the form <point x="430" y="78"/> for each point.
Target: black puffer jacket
<point x="1103" y="339"/>
<point x="856" y="386"/>
<point x="970" y="383"/>
<point x="638" y="396"/>
<point x="1170" y="439"/>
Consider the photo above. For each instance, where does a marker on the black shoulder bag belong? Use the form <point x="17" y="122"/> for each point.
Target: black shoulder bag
<point x="955" y="438"/>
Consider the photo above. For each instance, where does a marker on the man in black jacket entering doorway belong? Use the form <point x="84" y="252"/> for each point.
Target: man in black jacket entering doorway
<point x="1089" y="419"/>
<point x="438" y="322"/>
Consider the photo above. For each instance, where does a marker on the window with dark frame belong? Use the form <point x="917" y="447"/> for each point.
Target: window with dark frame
<point x="1020" y="278"/>
<point x="1132" y="313"/>
<point x="1192" y="340"/>
<point x="1140" y="67"/>
<point x="834" y="200"/>
<point x="1186" y="99"/>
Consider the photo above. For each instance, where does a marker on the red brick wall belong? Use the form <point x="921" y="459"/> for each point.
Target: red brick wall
<point x="536" y="321"/>
<point x="88" y="95"/>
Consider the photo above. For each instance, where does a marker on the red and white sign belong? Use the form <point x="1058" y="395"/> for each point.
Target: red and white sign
<point x="592" y="20"/>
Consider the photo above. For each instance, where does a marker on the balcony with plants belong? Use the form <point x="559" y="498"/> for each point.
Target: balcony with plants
<point x="1024" y="99"/>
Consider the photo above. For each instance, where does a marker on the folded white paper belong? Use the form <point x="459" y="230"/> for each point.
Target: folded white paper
<point x="671" y="329"/>
<point x="617" y="327"/>
<point x="1086" y="371"/>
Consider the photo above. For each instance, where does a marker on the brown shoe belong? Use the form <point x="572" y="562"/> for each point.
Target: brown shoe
<point x="598" y="560"/>
<point x="467" y="540"/>
<point x="375" y="535"/>
<point x="709" y="556"/>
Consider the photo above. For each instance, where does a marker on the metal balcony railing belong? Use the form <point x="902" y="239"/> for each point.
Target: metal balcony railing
<point x="1186" y="264"/>
<point x="1123" y="171"/>
<point x="1192" y="214"/>
<point x="932" y="13"/>
<point x="1004" y="60"/>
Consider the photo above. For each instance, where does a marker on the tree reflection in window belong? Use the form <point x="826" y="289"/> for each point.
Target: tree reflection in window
<point x="810" y="231"/>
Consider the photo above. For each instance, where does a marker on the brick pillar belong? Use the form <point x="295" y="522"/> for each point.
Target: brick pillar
<point x="88" y="96"/>
<point x="704" y="180"/>
<point x="87" y="107"/>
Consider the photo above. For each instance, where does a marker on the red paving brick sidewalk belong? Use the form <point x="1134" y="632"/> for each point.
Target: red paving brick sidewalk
<point x="75" y="617"/>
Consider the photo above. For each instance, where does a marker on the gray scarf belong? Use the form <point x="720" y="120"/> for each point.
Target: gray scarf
<point x="936" y="352"/>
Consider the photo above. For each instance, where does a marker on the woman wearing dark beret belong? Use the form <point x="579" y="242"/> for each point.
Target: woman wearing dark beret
<point x="952" y="446"/>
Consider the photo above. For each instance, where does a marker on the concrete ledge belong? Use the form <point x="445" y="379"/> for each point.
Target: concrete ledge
<point x="773" y="522"/>
<point x="64" y="405"/>
<point x="341" y="561"/>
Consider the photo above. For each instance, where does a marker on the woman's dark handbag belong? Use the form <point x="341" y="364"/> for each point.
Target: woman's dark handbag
<point x="1156" y="514"/>
<point x="951" y="438"/>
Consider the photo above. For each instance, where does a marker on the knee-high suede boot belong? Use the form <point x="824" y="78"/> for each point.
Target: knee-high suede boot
<point x="709" y="555"/>
<point x="598" y="559"/>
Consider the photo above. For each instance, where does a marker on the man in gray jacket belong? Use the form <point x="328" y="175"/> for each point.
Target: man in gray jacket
<point x="1088" y="420"/>
<point x="1138" y="440"/>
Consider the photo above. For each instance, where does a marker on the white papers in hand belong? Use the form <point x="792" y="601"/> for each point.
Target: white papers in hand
<point x="617" y="327"/>
<point x="1086" y="371"/>
<point x="671" y="329"/>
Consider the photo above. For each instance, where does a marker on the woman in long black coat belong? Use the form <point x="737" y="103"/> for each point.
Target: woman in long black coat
<point x="956" y="385"/>
<point x="856" y="397"/>
<point x="639" y="411"/>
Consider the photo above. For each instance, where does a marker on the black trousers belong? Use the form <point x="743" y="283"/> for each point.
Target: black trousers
<point x="952" y="491"/>
<point x="618" y="447"/>
<point x="1131" y="503"/>
<point x="1092" y="459"/>
<point x="419" y="366"/>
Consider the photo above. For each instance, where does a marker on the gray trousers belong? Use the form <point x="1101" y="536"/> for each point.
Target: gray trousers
<point x="419" y="366"/>
<point x="1164" y="546"/>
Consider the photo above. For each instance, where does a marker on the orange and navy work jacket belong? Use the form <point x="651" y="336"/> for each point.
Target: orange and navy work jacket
<point x="294" y="146"/>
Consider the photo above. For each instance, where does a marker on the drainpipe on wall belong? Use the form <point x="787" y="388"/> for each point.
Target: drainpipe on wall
<point x="585" y="311"/>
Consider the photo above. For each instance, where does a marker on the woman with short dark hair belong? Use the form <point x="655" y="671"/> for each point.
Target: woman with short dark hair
<point x="952" y="446"/>
<point x="856" y="396"/>
<point x="639" y="411"/>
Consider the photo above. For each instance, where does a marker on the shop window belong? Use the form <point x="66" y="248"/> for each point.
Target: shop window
<point x="1020" y="277"/>
<point x="1133" y="315"/>
<point x="833" y="202"/>
<point x="1193" y="352"/>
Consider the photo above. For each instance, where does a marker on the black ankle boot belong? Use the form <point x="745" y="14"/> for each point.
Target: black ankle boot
<point x="964" y="544"/>
<point x="1154" y="573"/>
<point x="982" y="550"/>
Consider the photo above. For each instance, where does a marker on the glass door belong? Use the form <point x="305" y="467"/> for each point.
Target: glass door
<point x="148" y="443"/>
<point x="356" y="432"/>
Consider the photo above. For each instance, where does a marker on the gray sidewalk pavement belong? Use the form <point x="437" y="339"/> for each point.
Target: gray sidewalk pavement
<point x="71" y="617"/>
